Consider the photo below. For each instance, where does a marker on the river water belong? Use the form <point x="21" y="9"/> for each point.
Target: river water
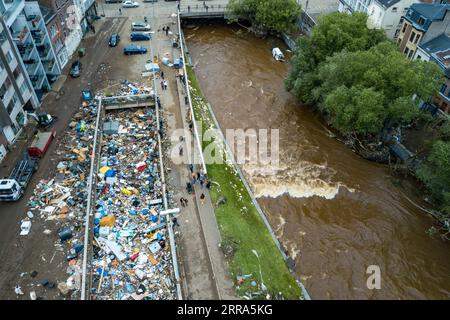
<point x="335" y="212"/>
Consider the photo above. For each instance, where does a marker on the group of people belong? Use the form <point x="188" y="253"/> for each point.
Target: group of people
<point x="164" y="84"/>
<point x="166" y="30"/>
<point x="199" y="177"/>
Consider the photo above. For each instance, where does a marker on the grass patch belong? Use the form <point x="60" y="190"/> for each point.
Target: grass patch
<point x="240" y="225"/>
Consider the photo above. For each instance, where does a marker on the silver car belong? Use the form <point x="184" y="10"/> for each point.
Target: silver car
<point x="140" y="26"/>
<point x="130" y="4"/>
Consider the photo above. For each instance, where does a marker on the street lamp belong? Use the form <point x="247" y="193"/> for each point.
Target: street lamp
<point x="260" y="273"/>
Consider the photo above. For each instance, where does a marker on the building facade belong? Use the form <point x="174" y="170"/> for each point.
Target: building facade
<point x="386" y="14"/>
<point x="28" y="65"/>
<point x="56" y="32"/>
<point x="64" y="27"/>
<point x="351" y="6"/>
<point x="16" y="90"/>
<point x="438" y="51"/>
<point x="421" y="23"/>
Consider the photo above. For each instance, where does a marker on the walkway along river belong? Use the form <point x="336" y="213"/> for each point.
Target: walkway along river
<point x="335" y="212"/>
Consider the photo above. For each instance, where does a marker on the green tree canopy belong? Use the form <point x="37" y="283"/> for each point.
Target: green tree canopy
<point x="435" y="173"/>
<point x="333" y="33"/>
<point x="270" y="15"/>
<point x="369" y="87"/>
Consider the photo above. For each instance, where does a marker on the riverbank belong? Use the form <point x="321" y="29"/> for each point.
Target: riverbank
<point x="243" y="231"/>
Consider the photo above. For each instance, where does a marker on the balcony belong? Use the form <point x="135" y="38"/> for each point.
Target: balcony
<point x="26" y="51"/>
<point x="44" y="52"/>
<point x="38" y="36"/>
<point x="21" y="37"/>
<point x="13" y="11"/>
<point x="50" y="67"/>
<point x="32" y="68"/>
<point x="36" y="23"/>
<point x="443" y="96"/>
<point x="37" y="81"/>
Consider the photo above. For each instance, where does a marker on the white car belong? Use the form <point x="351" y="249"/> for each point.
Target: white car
<point x="130" y="4"/>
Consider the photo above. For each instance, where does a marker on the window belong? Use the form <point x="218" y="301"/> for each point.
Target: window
<point x="411" y="38"/>
<point x="417" y="39"/>
<point x="443" y="88"/>
<point x="410" y="54"/>
<point x="419" y="57"/>
<point x="421" y="21"/>
<point x="394" y="9"/>
<point x="10" y="107"/>
<point x="9" y="56"/>
<point x="16" y="72"/>
<point x="406" y="51"/>
<point x="23" y="88"/>
<point x="399" y="40"/>
<point x="404" y="28"/>
<point x="15" y="98"/>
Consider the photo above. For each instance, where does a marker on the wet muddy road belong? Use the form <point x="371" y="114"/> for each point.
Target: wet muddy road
<point x="335" y="212"/>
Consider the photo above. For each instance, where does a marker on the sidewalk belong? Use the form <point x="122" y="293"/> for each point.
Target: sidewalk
<point x="204" y="269"/>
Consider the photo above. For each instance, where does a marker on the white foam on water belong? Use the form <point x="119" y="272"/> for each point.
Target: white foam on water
<point x="301" y="180"/>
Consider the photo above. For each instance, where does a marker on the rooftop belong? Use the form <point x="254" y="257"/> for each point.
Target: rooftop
<point x="387" y="3"/>
<point x="439" y="49"/>
<point x="431" y="11"/>
<point x="47" y="13"/>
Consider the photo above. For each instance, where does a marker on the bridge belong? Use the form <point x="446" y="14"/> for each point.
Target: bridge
<point x="199" y="11"/>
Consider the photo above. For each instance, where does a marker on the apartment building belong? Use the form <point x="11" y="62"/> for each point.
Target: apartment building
<point x="55" y="29"/>
<point x="438" y="51"/>
<point x="86" y="12"/>
<point x="63" y="25"/>
<point x="351" y="6"/>
<point x="386" y="14"/>
<point x="421" y="23"/>
<point x="28" y="65"/>
<point x="16" y="90"/>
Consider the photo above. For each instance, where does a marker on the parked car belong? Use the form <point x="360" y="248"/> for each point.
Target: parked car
<point x="130" y="4"/>
<point x="140" y="36"/>
<point x="75" y="70"/>
<point x="114" y="40"/>
<point x="133" y="49"/>
<point x="140" y="26"/>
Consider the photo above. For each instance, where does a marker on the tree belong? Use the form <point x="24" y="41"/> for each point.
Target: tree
<point x="435" y="173"/>
<point x="268" y="15"/>
<point x="333" y="33"/>
<point x="362" y="90"/>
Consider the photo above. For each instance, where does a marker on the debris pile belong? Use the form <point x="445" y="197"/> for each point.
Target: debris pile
<point x="131" y="258"/>
<point x="61" y="201"/>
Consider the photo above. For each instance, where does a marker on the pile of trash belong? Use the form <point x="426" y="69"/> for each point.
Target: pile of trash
<point x="131" y="254"/>
<point x="62" y="199"/>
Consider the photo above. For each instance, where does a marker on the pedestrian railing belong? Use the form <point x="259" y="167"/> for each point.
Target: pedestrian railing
<point x="201" y="11"/>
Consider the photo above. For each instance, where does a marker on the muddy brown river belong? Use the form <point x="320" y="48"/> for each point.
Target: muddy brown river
<point x="335" y="212"/>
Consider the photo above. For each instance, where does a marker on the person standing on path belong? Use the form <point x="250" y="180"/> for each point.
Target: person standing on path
<point x="208" y="184"/>
<point x="189" y="8"/>
<point x="191" y="168"/>
<point x="182" y="201"/>
<point x="202" y="198"/>
<point x="162" y="75"/>
<point x="162" y="85"/>
<point x="120" y="11"/>
<point x="193" y="178"/>
<point x="165" y="84"/>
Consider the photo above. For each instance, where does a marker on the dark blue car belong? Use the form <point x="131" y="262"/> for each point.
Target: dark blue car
<point x="114" y="40"/>
<point x="140" y="36"/>
<point x="132" y="49"/>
